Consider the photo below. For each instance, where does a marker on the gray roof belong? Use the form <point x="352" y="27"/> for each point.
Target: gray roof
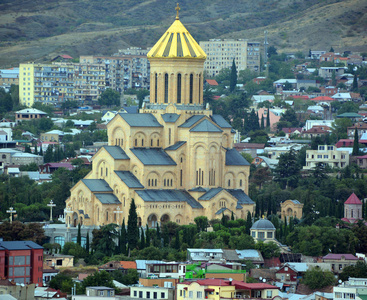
<point x="263" y="224"/>
<point x="142" y="264"/>
<point x="221" y="122"/>
<point x="296" y="202"/>
<point x="153" y="156"/>
<point x="176" y="146"/>
<point x="198" y="189"/>
<point x="97" y="185"/>
<point x="129" y="179"/>
<point x="241" y="196"/>
<point x="107" y="198"/>
<point x="170" y="118"/>
<point x="140" y="120"/>
<point x="19" y="245"/>
<point x="233" y="158"/>
<point x="230" y="255"/>
<point x="249" y="253"/>
<point x="168" y="196"/>
<point x="222" y="210"/>
<point x="116" y="152"/>
<point x="191" y="121"/>
<point x="206" y="126"/>
<point x="211" y="193"/>
<point x="131" y="109"/>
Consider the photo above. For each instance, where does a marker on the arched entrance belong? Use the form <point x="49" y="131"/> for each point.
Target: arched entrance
<point x="152" y="221"/>
<point x="165" y="218"/>
<point x="75" y="219"/>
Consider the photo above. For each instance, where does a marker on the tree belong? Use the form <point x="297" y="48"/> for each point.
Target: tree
<point x="122" y="238"/>
<point x="339" y="128"/>
<point x="141" y="95"/>
<point x="17" y="231"/>
<point x="104" y="239"/>
<point x="101" y="278"/>
<point x="202" y="223"/>
<point x="355" y="143"/>
<point x="79" y="236"/>
<point x="109" y="97"/>
<point x="132" y="226"/>
<point x="331" y="49"/>
<point x="316" y="278"/>
<point x="248" y="222"/>
<point x="333" y="78"/>
<point x="272" y="51"/>
<point x="359" y="270"/>
<point x="268" y="119"/>
<point x="355" y="83"/>
<point x="61" y="281"/>
<point x="87" y="244"/>
<point x="233" y="77"/>
<point x="287" y="172"/>
<point x="142" y="239"/>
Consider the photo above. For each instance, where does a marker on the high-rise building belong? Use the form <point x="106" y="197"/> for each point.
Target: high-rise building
<point x="221" y="53"/>
<point x="46" y="83"/>
<point x="175" y="158"/>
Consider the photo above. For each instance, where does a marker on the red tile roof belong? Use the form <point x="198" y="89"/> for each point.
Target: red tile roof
<point x="339" y="256"/>
<point x="353" y="199"/>
<point x="128" y="264"/>
<point x="322" y="98"/>
<point x="212" y="81"/>
<point x="66" y="56"/>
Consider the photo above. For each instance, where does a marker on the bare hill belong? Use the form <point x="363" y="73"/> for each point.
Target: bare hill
<point x="40" y="29"/>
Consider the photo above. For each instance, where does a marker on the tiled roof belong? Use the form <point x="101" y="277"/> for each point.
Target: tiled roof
<point x="128" y="264"/>
<point x="129" y="179"/>
<point x="116" y="152"/>
<point x="168" y="196"/>
<point x="97" y="185"/>
<point x="107" y="198"/>
<point x="234" y="158"/>
<point x="170" y="118"/>
<point x="322" y="98"/>
<point x="191" y="121"/>
<point x="206" y="126"/>
<point x="335" y="256"/>
<point x="176" y="146"/>
<point x="211" y="81"/>
<point x="153" y="156"/>
<point x="353" y="199"/>
<point x="140" y="120"/>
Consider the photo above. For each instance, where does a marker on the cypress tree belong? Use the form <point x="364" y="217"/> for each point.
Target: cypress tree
<point x="41" y="150"/>
<point x="262" y="126"/>
<point x="36" y="150"/>
<point x="232" y="216"/>
<point x="355" y="83"/>
<point x="142" y="239"/>
<point x="122" y="240"/>
<point x="79" y="236"/>
<point x="233" y="77"/>
<point x="248" y="222"/>
<point x="355" y="143"/>
<point x="87" y="244"/>
<point x="147" y="237"/>
<point x="268" y="119"/>
<point x="132" y="227"/>
<point x="177" y="241"/>
<point x="158" y="233"/>
<point x="165" y="236"/>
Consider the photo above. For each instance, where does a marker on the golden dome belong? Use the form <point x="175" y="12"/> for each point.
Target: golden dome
<point x="176" y="42"/>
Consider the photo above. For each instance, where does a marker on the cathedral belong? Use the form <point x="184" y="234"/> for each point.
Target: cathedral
<point x="174" y="158"/>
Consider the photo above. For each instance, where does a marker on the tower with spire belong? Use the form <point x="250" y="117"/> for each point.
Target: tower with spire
<point x="174" y="158"/>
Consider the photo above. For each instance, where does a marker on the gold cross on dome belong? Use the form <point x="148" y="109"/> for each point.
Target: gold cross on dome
<point x="177" y="10"/>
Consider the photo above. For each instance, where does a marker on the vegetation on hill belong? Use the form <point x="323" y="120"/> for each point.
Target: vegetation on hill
<point x="103" y="27"/>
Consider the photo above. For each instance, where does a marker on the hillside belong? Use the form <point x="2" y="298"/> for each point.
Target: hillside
<point x="40" y="29"/>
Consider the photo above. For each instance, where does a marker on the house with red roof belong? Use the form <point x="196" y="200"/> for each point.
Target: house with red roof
<point x="352" y="209"/>
<point x="344" y="143"/>
<point x="211" y="82"/>
<point x="122" y="266"/>
<point x="49" y="168"/>
<point x="315" y="131"/>
<point x="362" y="161"/>
<point x="217" y="289"/>
<point x="322" y="99"/>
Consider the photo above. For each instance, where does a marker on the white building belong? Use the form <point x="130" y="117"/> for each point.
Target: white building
<point x="326" y="155"/>
<point x="354" y="288"/>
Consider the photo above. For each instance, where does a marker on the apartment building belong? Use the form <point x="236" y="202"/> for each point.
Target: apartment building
<point x="9" y="77"/>
<point x="220" y="55"/>
<point x="327" y="155"/>
<point x="46" y="83"/>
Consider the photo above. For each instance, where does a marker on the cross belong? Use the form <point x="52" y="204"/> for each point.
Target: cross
<point x="177" y="10"/>
<point x="118" y="211"/>
<point x="11" y="211"/>
<point x="51" y="205"/>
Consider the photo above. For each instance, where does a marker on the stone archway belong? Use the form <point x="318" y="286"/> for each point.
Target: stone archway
<point x="165" y="218"/>
<point x="152" y="221"/>
<point x="75" y="219"/>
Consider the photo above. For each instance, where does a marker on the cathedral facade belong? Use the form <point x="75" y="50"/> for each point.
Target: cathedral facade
<point x="175" y="158"/>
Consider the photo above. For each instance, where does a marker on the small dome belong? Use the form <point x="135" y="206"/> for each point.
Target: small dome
<point x="263" y="224"/>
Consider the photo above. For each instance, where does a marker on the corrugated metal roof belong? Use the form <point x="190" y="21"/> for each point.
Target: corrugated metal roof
<point x="211" y="193"/>
<point x="206" y="126"/>
<point x="249" y="253"/>
<point x="234" y="158"/>
<point x="153" y="156"/>
<point x="168" y="196"/>
<point x="107" y="198"/>
<point x="116" y="152"/>
<point x="129" y="179"/>
<point x="220" y="121"/>
<point x="140" y="120"/>
<point x="176" y="146"/>
<point x="241" y="196"/>
<point x="142" y="264"/>
<point x="19" y="245"/>
<point x="191" y="121"/>
<point x="97" y="185"/>
<point x="170" y="118"/>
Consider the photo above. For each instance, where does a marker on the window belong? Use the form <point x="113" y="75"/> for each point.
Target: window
<point x="191" y="87"/>
<point x="135" y="293"/>
<point x="166" y="88"/>
<point x="261" y="235"/>
<point x="148" y="295"/>
<point x="140" y="294"/>
<point x="155" y="87"/>
<point x="154" y="295"/>
<point x="269" y="235"/>
<point x="253" y="234"/>
<point x="319" y="156"/>
<point x="179" y="88"/>
<point x="269" y="294"/>
<point x="59" y="262"/>
<point x="163" y="295"/>
<point x="199" y="295"/>
<point x="326" y="156"/>
<point x="191" y="294"/>
<point x="321" y="147"/>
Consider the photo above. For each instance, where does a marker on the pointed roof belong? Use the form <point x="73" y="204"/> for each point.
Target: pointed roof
<point x="206" y="126"/>
<point x="177" y="42"/>
<point x="353" y="199"/>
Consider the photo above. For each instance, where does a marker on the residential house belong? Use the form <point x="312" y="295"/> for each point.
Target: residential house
<point x="217" y="289"/>
<point x="329" y="56"/>
<point x="340" y="261"/>
<point x="204" y="254"/>
<point x="52" y="136"/>
<point x="9" y="77"/>
<point x="166" y="269"/>
<point x="46" y="293"/>
<point x="49" y="168"/>
<point x="161" y="282"/>
<point x="48" y="273"/>
<point x="275" y="152"/>
<point x="152" y="292"/>
<point x="328" y="155"/>
<point x="286" y="274"/>
<point x="361" y="128"/>
<point x="251" y="148"/>
<point x="316" y="131"/>
<point x="265" y="161"/>
<point x="11" y="157"/>
<point x="21" y="261"/>
<point x="262" y="98"/>
<point x="274" y="116"/>
<point x="342" y="97"/>
<point x="29" y="114"/>
<point x="18" y="291"/>
<point x="327" y="72"/>
<point x="291" y="131"/>
<point x="101" y="291"/>
<point x="354" y="288"/>
<point x="251" y="255"/>
<point x="316" y="54"/>
<point x="344" y="143"/>
<point x="122" y="266"/>
<point x="59" y="260"/>
<point x="362" y="161"/>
